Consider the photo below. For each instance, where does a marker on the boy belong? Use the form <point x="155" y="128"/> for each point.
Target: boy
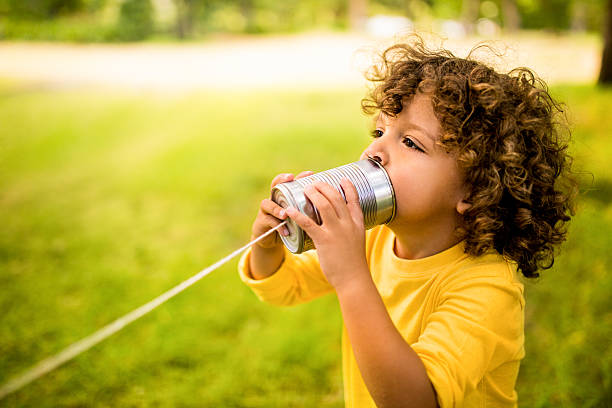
<point x="431" y="302"/>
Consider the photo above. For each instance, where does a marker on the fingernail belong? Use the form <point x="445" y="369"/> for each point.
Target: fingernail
<point x="282" y="214"/>
<point x="285" y="231"/>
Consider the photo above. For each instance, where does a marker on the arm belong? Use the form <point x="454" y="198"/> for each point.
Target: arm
<point x="271" y="271"/>
<point x="391" y="370"/>
<point x="268" y="254"/>
<point x="299" y="279"/>
<point x="264" y="262"/>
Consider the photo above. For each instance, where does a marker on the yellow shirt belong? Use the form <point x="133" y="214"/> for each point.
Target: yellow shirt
<point x="462" y="315"/>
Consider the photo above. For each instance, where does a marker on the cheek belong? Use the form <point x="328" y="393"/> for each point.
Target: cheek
<point x="413" y="181"/>
<point x="410" y="191"/>
<point x="415" y="192"/>
<point x="421" y="190"/>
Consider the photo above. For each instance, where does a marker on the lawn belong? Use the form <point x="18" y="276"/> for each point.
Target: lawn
<point x="109" y="199"/>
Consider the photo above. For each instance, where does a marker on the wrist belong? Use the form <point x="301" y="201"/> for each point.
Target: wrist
<point x="356" y="283"/>
<point x="265" y="261"/>
<point x="266" y="251"/>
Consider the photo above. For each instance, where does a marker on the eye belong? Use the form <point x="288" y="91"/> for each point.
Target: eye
<point x="376" y="133"/>
<point x="408" y="142"/>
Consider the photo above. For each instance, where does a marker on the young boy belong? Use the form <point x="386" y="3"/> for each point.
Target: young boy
<point x="432" y="304"/>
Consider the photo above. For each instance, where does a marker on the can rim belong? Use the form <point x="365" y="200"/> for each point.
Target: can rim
<point x="294" y="247"/>
<point x="377" y="162"/>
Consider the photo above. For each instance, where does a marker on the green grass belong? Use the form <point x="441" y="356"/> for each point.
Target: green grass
<point x="109" y="199"/>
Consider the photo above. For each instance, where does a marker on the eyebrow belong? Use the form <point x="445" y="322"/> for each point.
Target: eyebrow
<point x="422" y="130"/>
<point x="410" y="125"/>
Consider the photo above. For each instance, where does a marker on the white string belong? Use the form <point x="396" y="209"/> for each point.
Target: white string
<point x="86" y="343"/>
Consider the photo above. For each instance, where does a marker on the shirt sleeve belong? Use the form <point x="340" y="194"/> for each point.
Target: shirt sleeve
<point x="299" y="279"/>
<point x="477" y="326"/>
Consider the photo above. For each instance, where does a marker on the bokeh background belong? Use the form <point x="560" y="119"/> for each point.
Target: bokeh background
<point x="137" y="138"/>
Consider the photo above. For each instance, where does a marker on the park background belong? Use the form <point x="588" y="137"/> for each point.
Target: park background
<point x="138" y="137"/>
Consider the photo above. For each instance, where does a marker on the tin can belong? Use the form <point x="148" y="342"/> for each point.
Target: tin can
<point x="376" y="198"/>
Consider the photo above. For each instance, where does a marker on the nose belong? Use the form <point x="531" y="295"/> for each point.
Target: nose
<point x="376" y="151"/>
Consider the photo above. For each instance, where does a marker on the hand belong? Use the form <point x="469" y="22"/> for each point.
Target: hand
<point x="340" y="239"/>
<point x="267" y="255"/>
<point x="271" y="214"/>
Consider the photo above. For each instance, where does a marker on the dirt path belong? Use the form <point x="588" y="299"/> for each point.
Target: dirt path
<point x="298" y="61"/>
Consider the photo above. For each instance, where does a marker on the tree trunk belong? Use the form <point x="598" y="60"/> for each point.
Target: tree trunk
<point x="184" y="18"/>
<point x="605" y="75"/>
<point x="469" y="15"/>
<point x="247" y="9"/>
<point x="511" y="16"/>
<point x="579" y="16"/>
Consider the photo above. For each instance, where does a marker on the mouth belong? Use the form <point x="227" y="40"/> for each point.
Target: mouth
<point x="389" y="192"/>
<point x="375" y="158"/>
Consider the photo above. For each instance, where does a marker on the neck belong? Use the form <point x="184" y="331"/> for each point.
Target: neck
<point x="415" y="242"/>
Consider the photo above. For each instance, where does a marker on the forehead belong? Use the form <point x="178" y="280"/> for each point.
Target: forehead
<point x="417" y="113"/>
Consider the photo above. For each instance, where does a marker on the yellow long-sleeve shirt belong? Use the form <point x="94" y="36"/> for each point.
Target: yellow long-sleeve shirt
<point x="462" y="315"/>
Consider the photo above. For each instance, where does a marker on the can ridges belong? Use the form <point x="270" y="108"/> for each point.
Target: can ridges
<point x="374" y="188"/>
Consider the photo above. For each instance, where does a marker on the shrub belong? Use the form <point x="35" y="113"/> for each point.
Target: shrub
<point x="135" y="20"/>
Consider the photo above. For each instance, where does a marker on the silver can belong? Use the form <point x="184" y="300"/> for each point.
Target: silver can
<point x="376" y="198"/>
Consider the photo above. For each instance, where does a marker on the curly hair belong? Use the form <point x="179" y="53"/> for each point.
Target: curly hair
<point x="509" y="138"/>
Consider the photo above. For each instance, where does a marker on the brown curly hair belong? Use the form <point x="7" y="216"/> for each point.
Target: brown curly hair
<point x="510" y="140"/>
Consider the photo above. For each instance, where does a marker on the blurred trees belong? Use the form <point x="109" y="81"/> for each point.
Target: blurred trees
<point x="45" y="9"/>
<point x="469" y="14"/>
<point x="605" y="74"/>
<point x="186" y="11"/>
<point x="135" y="20"/>
<point x="510" y="15"/>
<point x="357" y="13"/>
<point x="138" y="19"/>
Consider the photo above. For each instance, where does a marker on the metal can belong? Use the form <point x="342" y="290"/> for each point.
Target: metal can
<point x="376" y="198"/>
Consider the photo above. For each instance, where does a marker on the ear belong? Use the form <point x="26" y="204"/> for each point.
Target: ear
<point x="463" y="206"/>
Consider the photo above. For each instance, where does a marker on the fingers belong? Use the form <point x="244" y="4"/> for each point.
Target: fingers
<point x="335" y="210"/>
<point x="318" y="194"/>
<point x="331" y="204"/>
<point x="304" y="174"/>
<point x="281" y="178"/>
<point x="304" y="222"/>
<point x="270" y="207"/>
<point x="329" y="201"/>
<point x="352" y="200"/>
<point x="268" y="222"/>
<point x="270" y="215"/>
<point x="285" y="177"/>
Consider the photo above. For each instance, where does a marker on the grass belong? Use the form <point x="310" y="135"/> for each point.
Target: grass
<point x="109" y="199"/>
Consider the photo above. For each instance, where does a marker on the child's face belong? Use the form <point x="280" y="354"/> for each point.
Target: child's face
<point x="427" y="182"/>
